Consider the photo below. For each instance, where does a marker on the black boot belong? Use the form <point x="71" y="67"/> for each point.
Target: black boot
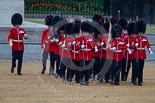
<point x="12" y="69"/>
<point x="43" y="70"/>
<point x="13" y="65"/>
<point x="19" y="73"/>
<point x="135" y="82"/>
<point x="125" y="78"/>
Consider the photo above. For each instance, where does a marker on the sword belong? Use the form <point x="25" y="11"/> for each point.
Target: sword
<point x="137" y="50"/>
<point x="83" y="52"/>
<point x="127" y="59"/>
<point x="101" y="50"/>
<point x="61" y="56"/>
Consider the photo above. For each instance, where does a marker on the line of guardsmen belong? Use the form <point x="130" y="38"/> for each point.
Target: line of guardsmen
<point x="73" y="46"/>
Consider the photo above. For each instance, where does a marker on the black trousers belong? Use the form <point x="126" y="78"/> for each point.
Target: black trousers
<point x="65" y="64"/>
<point x="85" y="73"/>
<point x="115" y="67"/>
<point x="123" y="68"/>
<point x="96" y="67"/>
<point x="52" y="60"/>
<point x="106" y="64"/>
<point x="138" y="70"/>
<point x="75" y="71"/>
<point x="17" y="55"/>
<point x="128" y="68"/>
<point x="57" y="58"/>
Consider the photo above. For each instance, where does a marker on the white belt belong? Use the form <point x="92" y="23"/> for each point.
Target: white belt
<point x="17" y="40"/>
<point x="86" y="49"/>
<point x="65" y="48"/>
<point x="118" y="51"/>
<point x="104" y="48"/>
<point x="75" y="51"/>
<point x="140" y="48"/>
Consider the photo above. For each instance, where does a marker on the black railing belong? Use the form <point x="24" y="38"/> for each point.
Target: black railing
<point x="145" y="9"/>
<point x="72" y="8"/>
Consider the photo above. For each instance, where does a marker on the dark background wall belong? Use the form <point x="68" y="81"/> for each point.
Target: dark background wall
<point x="144" y="9"/>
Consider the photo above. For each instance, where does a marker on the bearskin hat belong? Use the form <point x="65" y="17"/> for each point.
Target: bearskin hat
<point x="68" y="28"/>
<point x="140" y="27"/>
<point x="91" y="29"/>
<point x="61" y="24"/>
<point x="98" y="29"/>
<point x="48" y="20"/>
<point x="55" y="20"/>
<point x="123" y="23"/>
<point x="97" y="18"/>
<point x="106" y="27"/>
<point x="76" y="29"/>
<point x="116" y="31"/>
<point x="85" y="26"/>
<point x="16" y="19"/>
<point x="112" y="20"/>
<point x="131" y="28"/>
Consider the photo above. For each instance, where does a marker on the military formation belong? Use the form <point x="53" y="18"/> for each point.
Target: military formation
<point x="102" y="49"/>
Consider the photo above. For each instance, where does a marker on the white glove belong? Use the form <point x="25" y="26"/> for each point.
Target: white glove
<point x="102" y="43"/>
<point x="63" y="45"/>
<point x="136" y="44"/>
<point x="128" y="45"/>
<point x="25" y="36"/>
<point x="51" y="40"/>
<point x="113" y="49"/>
<point x="96" y="50"/>
<point x="43" y="47"/>
<point x="46" y="41"/>
<point x="129" y="51"/>
<point x="151" y="52"/>
<point x="73" y="43"/>
<point x="56" y="40"/>
<point x="10" y="44"/>
<point x="82" y="46"/>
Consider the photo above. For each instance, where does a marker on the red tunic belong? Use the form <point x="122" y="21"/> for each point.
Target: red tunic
<point x="131" y="47"/>
<point x="103" y="47"/>
<point x="120" y="46"/>
<point x="86" y="53"/>
<point x="57" y="45"/>
<point x="125" y="35"/>
<point x="97" y="54"/>
<point x="16" y="37"/>
<point x="75" y="51"/>
<point x="142" y="42"/>
<point x="46" y="41"/>
<point x="68" y="47"/>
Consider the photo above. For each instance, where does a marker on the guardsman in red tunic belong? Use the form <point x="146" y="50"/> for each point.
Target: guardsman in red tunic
<point x="46" y="44"/>
<point x="54" y="39"/>
<point x="117" y="46"/>
<point x="96" y="55"/>
<point x="15" y="40"/>
<point x="65" y="53"/>
<point x="75" y="53"/>
<point x="129" y="58"/>
<point x="58" y="42"/>
<point x="140" y="53"/>
<point x="123" y="23"/>
<point x="97" y="29"/>
<point x="104" y="56"/>
<point x="87" y="44"/>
